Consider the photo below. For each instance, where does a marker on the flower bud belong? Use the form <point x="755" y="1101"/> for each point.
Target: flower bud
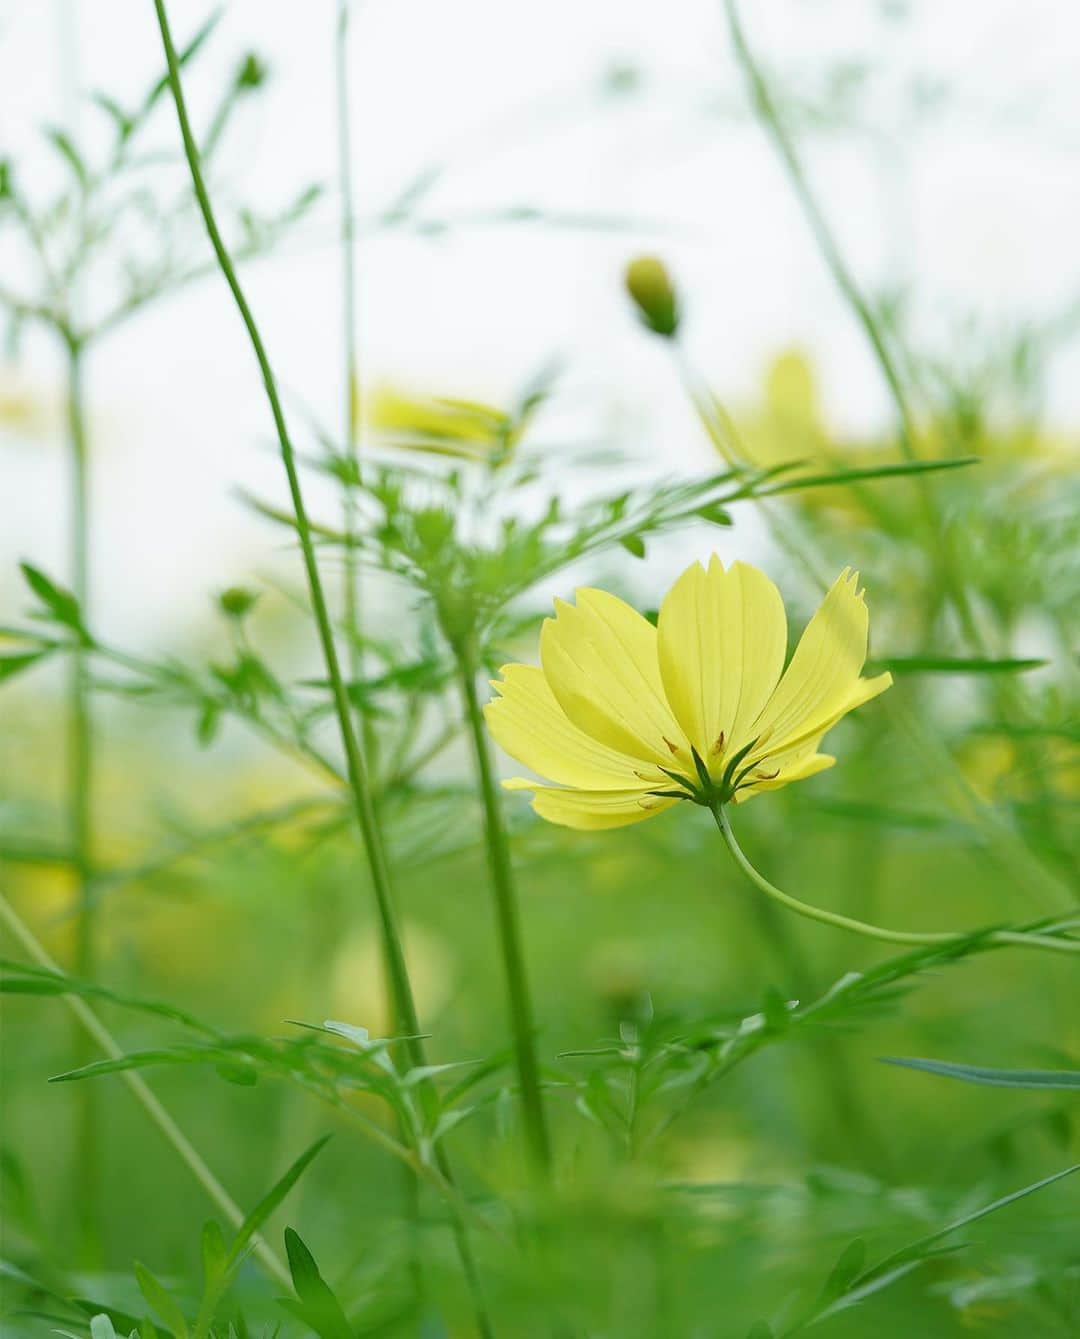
<point x="237" y="602"/>
<point x="650" y="287"/>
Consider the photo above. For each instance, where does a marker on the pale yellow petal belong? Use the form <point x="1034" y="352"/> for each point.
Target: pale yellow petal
<point x="822" y="681"/>
<point x="722" y="637"/>
<point x="597" y="809"/>
<point x="773" y="779"/>
<point x="528" y="723"/>
<point x="600" y="660"/>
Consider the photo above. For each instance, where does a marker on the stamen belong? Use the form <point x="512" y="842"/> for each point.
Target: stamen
<point x="673" y="747"/>
<point x="766" y="776"/>
<point x="718" y="747"/>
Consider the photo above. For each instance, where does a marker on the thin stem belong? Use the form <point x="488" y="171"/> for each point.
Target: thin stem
<point x="830" y="250"/>
<point x="396" y="970"/>
<point x="849" y="289"/>
<point x="351" y="404"/>
<point x="80" y="780"/>
<point x="357" y="771"/>
<point x="507" y="919"/>
<point x="1019" y="938"/>
<point x="97" y="1032"/>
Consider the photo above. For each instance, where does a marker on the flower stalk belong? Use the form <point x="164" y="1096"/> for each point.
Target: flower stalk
<point x="508" y="918"/>
<point x="80" y="769"/>
<point x="1000" y="938"/>
<point x="359" y="785"/>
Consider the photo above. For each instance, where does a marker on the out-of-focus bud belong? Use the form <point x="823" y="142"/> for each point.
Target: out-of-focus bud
<point x="252" y="72"/>
<point x="650" y="287"/>
<point x="237" y="602"/>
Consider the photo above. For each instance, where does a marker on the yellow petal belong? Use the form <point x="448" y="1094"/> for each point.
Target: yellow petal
<point x="593" y="809"/>
<point x="822" y="682"/>
<point x="528" y="723"/>
<point x="600" y="661"/>
<point x="721" y="645"/>
<point x="809" y="765"/>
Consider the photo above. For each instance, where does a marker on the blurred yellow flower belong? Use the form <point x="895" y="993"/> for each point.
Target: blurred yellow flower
<point x="465" y="429"/>
<point x="357" y="984"/>
<point x="621" y="714"/>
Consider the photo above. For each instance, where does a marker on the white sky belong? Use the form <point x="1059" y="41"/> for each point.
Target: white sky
<point x="981" y="211"/>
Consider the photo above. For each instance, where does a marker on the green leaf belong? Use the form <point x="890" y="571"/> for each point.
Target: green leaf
<point x="318" y="1307"/>
<point x="633" y="544"/>
<point x="1067" y="1080"/>
<point x="65" y="145"/>
<point x="160" y="1301"/>
<point x="845" y="1271"/>
<point x="101" y="1327"/>
<point x="12" y="665"/>
<point x="953" y="665"/>
<point x="918" y="1250"/>
<point x="214" y="1251"/>
<point x="59" y="603"/>
<point x="272" y="1199"/>
<point x="896" y="470"/>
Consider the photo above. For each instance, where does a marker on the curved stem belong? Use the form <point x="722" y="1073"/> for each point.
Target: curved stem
<point x="1018" y="938"/>
<point x="508" y="920"/>
<point x="99" y="1034"/>
<point x="359" y="785"/>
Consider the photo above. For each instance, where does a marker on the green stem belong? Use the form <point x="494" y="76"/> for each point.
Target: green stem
<point x="1019" y="938"/>
<point x="98" y="1033"/>
<point x="357" y="772"/>
<point x="396" y="970"/>
<point x="834" y="259"/>
<point x="849" y="289"/>
<point x="507" y="919"/>
<point x="351" y="612"/>
<point x="351" y="622"/>
<point x="80" y="781"/>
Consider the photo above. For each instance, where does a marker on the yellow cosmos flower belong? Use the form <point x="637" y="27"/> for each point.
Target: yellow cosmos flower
<point x="626" y="718"/>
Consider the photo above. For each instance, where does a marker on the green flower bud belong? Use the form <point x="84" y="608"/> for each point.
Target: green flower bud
<point x="650" y="287"/>
<point x="237" y="602"/>
<point x="252" y="72"/>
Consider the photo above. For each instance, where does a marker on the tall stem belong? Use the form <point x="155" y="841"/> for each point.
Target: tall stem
<point x="1019" y="938"/>
<point x="834" y="258"/>
<point x="351" y="405"/>
<point x="359" y="786"/>
<point x="80" y="781"/>
<point x="98" y="1033"/>
<point x="507" y="918"/>
<point x="853" y="295"/>
<point x="355" y="763"/>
